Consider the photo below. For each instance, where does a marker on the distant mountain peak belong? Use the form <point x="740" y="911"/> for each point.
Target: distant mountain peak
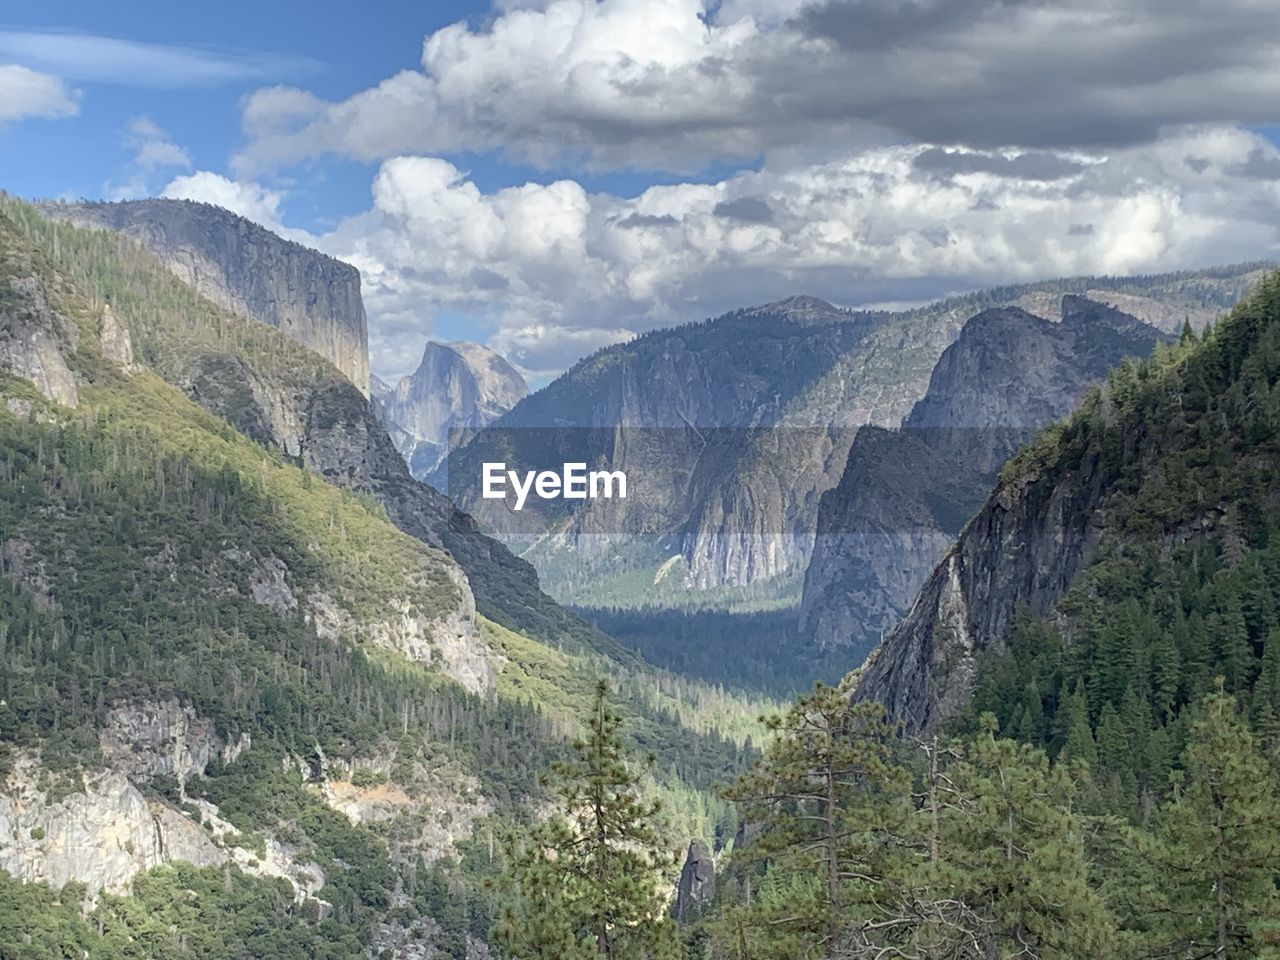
<point x="802" y="309"/>
<point x="458" y="385"/>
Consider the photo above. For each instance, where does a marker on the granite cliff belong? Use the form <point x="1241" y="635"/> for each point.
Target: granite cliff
<point x="1169" y="466"/>
<point x="103" y="827"/>
<point x="457" y="386"/>
<point x="906" y="494"/>
<point x="246" y="269"/>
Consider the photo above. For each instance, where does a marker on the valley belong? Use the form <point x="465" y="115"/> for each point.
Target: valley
<point x="264" y="686"/>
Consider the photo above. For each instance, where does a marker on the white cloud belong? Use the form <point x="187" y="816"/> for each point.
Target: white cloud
<point x="153" y="147"/>
<point x="153" y="151"/>
<point x="671" y="84"/>
<point x="549" y="272"/>
<point x="25" y="93"/>
<point x="89" y="57"/>
<point x="249" y="200"/>
<point x="606" y="79"/>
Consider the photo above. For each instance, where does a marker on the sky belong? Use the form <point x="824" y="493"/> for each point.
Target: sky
<point x="552" y="177"/>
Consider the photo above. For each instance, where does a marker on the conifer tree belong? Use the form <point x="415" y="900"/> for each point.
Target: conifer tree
<point x="832" y="803"/>
<point x="1077" y="737"/>
<point x="1218" y="850"/>
<point x="588" y="883"/>
<point x="1013" y="879"/>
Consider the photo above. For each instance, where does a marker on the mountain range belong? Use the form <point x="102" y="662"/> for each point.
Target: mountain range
<point x="266" y="693"/>
<point x="739" y="426"/>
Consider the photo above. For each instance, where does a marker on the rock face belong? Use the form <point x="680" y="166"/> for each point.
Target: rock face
<point x="245" y="268"/>
<point x="457" y="386"/>
<point x="796" y="380"/>
<point x="1020" y="553"/>
<point x="149" y="739"/>
<point x="102" y="836"/>
<point x="34" y="341"/>
<point x="906" y="494"/>
<point x="450" y="644"/>
<point x="100" y="830"/>
<point x="117" y="345"/>
<point x="697" y="885"/>
<point x="429" y="810"/>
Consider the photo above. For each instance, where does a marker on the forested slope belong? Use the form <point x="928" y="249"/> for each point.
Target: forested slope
<point x="240" y="711"/>
<point x="1081" y="756"/>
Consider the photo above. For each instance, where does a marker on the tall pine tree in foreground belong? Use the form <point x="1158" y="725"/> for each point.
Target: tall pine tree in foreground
<point x="832" y="803"/>
<point x="591" y="881"/>
<point x="1012" y="852"/>
<point x="1216" y="853"/>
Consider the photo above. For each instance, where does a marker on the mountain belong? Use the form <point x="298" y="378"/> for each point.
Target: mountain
<point x="734" y="376"/>
<point x="246" y="269"/>
<point x="738" y="426"/>
<point x="905" y="494"/>
<point x="290" y="400"/>
<point x="1127" y="553"/>
<point x="242" y="712"/>
<point x="457" y="387"/>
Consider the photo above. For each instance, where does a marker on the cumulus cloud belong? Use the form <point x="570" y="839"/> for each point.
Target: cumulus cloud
<point x="671" y="84"/>
<point x="153" y="151"/>
<point x="250" y="200"/>
<point x="26" y="93"/>
<point x="548" y="272"/>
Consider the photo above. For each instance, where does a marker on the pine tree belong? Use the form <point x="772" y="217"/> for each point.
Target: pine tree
<point x="1165" y="671"/>
<point x="1077" y="737"/>
<point x="1234" y="653"/>
<point x="832" y="803"/>
<point x="1218" y="849"/>
<point x="588" y="882"/>
<point x="1013" y="855"/>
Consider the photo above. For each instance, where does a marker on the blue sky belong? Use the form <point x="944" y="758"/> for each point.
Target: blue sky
<point x="548" y="176"/>
<point x="317" y="42"/>
<point x="320" y="45"/>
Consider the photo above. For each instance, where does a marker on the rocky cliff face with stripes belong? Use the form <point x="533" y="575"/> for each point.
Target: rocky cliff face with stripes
<point x="312" y="298"/>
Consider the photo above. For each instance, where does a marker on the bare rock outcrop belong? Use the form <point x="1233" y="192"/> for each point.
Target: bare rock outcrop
<point x="144" y="739"/>
<point x="102" y="835"/>
<point x="35" y="341"/>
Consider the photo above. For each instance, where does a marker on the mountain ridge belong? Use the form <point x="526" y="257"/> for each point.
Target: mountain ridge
<point x="852" y="368"/>
<point x="245" y="268"/>
<point x="1105" y="483"/>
